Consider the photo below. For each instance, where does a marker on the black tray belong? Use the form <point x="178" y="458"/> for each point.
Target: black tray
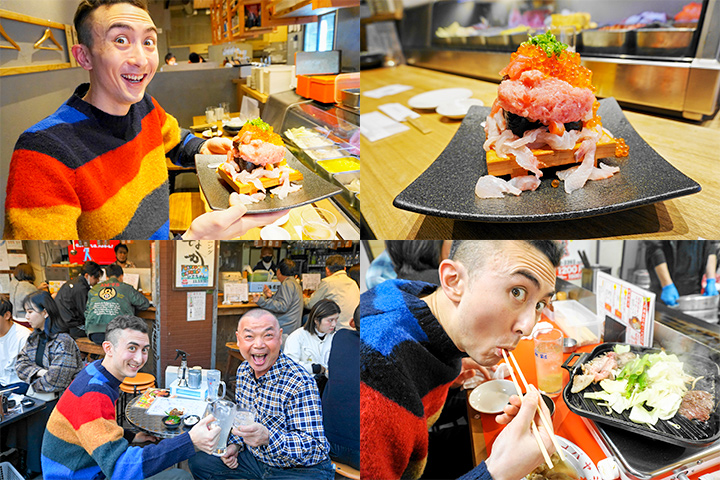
<point x="217" y="192"/>
<point x="447" y="187"/>
<point x="693" y="433"/>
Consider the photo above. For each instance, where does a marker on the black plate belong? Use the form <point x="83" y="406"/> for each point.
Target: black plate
<point x="170" y="426"/>
<point x="447" y="187"/>
<point x="217" y="192"/>
<point x="693" y="433"/>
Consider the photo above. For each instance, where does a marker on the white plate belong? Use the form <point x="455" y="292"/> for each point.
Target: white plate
<point x="459" y="108"/>
<point x="435" y="98"/>
<point x="282" y="220"/>
<point x="273" y="232"/>
<point x="578" y="459"/>
<point x="491" y="396"/>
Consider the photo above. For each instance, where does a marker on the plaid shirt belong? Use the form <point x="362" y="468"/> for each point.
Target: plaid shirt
<point x="288" y="404"/>
<point x="61" y="358"/>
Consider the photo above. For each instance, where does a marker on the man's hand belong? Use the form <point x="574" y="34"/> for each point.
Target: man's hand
<point x="230" y="457"/>
<point x="254" y="434"/>
<point x="142" y="437"/>
<point x="710" y="288"/>
<point x="203" y="436"/>
<point x="266" y="291"/>
<point x="468" y="371"/>
<point x="216" y="146"/>
<point x="254" y="297"/>
<point x="504" y="462"/>
<point x="227" y="224"/>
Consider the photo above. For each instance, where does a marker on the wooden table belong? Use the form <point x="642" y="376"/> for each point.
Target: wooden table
<point x="391" y="164"/>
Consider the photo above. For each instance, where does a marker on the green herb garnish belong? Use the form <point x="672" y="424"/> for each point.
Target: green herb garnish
<point x="259" y="123"/>
<point x="548" y="43"/>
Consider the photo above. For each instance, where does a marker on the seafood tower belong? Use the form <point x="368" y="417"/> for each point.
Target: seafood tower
<point x="545" y="115"/>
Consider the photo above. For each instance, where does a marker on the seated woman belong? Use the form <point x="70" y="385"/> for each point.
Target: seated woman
<point x="12" y="339"/>
<point x="310" y="346"/>
<point x="22" y="284"/>
<point x="48" y="363"/>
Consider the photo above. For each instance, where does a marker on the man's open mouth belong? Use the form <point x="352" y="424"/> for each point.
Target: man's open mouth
<point x="134" y="78"/>
<point x="259" y="359"/>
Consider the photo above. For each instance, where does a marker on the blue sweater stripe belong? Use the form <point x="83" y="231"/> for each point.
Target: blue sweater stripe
<point x="65" y="114"/>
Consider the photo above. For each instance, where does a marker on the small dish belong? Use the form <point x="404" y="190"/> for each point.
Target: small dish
<point x="273" y="232"/>
<point x="282" y="220"/>
<point x="549" y="403"/>
<point x="166" y="420"/>
<point x="190" y="420"/>
<point x="459" y="108"/>
<point x="491" y="396"/>
<point x="569" y="345"/>
<point x="434" y="98"/>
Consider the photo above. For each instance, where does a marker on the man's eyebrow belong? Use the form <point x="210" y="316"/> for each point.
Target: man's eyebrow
<point x="125" y="26"/>
<point x="534" y="280"/>
<point x="250" y="330"/>
<point x="137" y="344"/>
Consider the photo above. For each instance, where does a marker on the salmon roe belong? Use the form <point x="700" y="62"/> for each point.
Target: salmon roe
<point x="566" y="67"/>
<point x="267" y="136"/>
<point x="621" y="148"/>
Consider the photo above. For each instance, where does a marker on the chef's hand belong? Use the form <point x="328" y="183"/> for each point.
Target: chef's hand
<point x="142" y="437"/>
<point x="266" y="291"/>
<point x="710" y="288"/>
<point x="469" y="367"/>
<point x="227" y="224"/>
<point x="203" y="436"/>
<point x="230" y="457"/>
<point x="216" y="146"/>
<point x="670" y="295"/>
<point x="254" y="434"/>
<point x="504" y="462"/>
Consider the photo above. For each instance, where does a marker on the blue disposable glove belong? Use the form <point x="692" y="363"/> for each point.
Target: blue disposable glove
<point x="670" y="295"/>
<point x="710" y="288"/>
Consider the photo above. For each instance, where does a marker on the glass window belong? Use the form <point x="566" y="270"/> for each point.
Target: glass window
<point x="311" y="37"/>
<point x="320" y="36"/>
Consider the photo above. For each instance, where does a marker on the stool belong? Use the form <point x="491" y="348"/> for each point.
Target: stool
<point x="346" y="470"/>
<point x="88" y="347"/>
<point x="135" y="386"/>
<point x="184" y="208"/>
<point x="233" y="352"/>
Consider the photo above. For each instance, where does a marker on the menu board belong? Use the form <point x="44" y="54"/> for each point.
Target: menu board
<point x="194" y="263"/>
<point x="628" y="311"/>
<point x="235" y="293"/>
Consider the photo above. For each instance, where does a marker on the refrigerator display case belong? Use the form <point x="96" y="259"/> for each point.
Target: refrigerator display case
<point x="660" y="55"/>
<point x="326" y="139"/>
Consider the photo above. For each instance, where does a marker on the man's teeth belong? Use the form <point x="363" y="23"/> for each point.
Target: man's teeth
<point x="133" y="78"/>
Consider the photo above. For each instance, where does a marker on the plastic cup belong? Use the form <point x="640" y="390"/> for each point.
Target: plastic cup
<point x="210" y="115"/>
<point x="548" y="360"/>
<point x="318" y="224"/>
<point x="244" y="415"/>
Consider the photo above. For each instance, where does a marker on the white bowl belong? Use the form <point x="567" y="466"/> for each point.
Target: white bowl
<point x="492" y="396"/>
<point x="282" y="220"/>
<point x="458" y="108"/>
<point x="273" y="232"/>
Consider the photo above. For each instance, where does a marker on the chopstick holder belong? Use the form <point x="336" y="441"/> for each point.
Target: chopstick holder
<point x="533" y="427"/>
<point x="543" y="419"/>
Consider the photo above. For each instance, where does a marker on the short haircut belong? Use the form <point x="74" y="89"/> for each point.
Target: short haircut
<point x="119" y="246"/>
<point x="168" y="57"/>
<point x="42" y="300"/>
<point x="356" y="318"/>
<point x="266" y="249"/>
<point x="286" y="267"/>
<point x="472" y="253"/>
<point x="335" y="263"/>
<point x="87" y="7"/>
<point x="322" y="309"/>
<point x="194" y="58"/>
<point x="258" y="313"/>
<point x="24" y="272"/>
<point x="92" y="269"/>
<point x="414" y="255"/>
<point x="354" y="273"/>
<point x="5" y="305"/>
<point x="113" y="270"/>
<point x="121" y="322"/>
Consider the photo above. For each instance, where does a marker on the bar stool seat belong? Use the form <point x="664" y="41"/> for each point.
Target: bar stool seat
<point x="132" y="386"/>
<point x="89" y="348"/>
<point x="346" y="471"/>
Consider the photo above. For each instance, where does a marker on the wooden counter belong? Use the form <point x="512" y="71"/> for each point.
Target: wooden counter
<point x="391" y="164"/>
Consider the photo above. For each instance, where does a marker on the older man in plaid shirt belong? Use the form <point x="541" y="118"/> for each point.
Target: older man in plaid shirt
<point x="287" y="440"/>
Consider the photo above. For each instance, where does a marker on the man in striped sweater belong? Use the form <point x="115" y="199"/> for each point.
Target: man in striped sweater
<point x="96" y="167"/>
<point x="413" y="341"/>
<point x="83" y="439"/>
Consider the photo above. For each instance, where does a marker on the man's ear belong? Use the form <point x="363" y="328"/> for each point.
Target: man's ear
<point x="107" y="348"/>
<point x="453" y="279"/>
<point x="82" y="55"/>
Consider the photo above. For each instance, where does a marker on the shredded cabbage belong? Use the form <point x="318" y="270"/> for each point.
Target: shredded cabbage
<point x="651" y="387"/>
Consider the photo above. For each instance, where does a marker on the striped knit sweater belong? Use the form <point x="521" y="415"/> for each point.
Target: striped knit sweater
<point x="82" y="173"/>
<point x="83" y="439"/>
<point x="407" y="363"/>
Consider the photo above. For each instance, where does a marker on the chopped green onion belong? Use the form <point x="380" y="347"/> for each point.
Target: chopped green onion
<point x="548" y="43"/>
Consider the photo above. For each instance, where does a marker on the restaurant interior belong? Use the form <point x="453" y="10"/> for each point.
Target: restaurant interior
<point x="426" y="65"/>
<point x="196" y="291"/>
<point x="592" y="307"/>
<point x="294" y="64"/>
